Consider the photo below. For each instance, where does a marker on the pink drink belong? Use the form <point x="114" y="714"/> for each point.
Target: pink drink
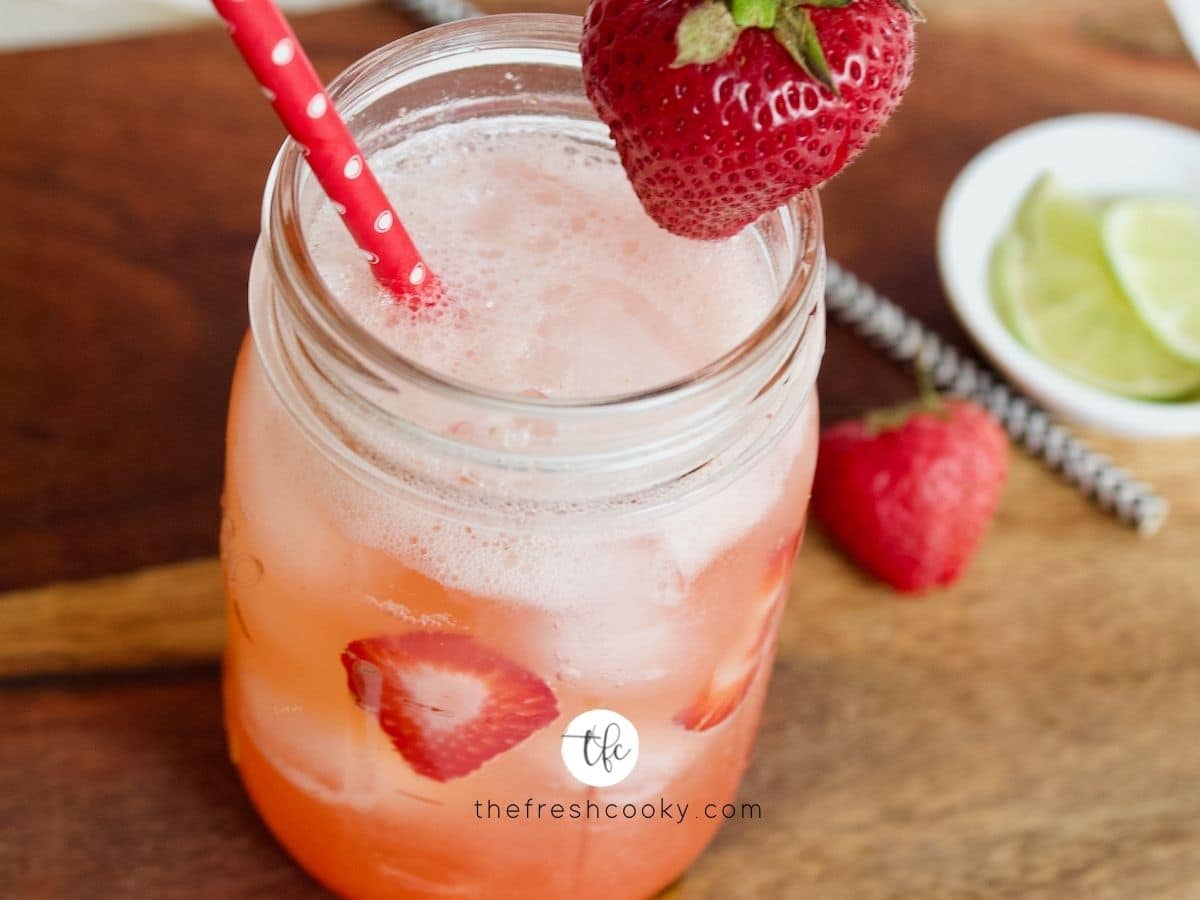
<point x="501" y="515"/>
<point x="562" y="287"/>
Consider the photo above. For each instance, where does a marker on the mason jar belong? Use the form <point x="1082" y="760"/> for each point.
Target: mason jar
<point x="524" y="657"/>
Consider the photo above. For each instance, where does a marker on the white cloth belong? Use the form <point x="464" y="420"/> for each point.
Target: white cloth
<point x="43" y="23"/>
<point x="1187" y="14"/>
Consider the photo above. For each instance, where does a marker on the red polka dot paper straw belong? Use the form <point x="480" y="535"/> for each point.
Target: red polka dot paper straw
<point x="289" y="82"/>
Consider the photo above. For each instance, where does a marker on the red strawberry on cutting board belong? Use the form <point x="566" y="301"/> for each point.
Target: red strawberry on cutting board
<point x="448" y="703"/>
<point x="722" y="111"/>
<point x="910" y="492"/>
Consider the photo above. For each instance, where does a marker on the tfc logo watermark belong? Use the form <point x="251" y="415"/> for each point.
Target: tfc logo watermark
<point x="600" y="747"/>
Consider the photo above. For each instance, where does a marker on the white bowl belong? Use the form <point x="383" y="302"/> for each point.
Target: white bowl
<point x="1100" y="155"/>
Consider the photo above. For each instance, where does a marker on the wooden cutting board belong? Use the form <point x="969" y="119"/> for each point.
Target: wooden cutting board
<point x="1032" y="732"/>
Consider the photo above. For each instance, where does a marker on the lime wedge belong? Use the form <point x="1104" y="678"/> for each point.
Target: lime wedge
<point x="1154" y="248"/>
<point x="1055" y="291"/>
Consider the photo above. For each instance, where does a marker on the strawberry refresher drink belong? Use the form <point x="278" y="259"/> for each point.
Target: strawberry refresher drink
<point x="577" y="484"/>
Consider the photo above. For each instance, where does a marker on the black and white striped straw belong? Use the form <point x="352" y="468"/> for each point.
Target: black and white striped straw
<point x="885" y="325"/>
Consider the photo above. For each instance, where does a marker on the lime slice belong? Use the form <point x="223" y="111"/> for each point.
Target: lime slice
<point x="1054" y="289"/>
<point x="1154" y="248"/>
<point x="1052" y="217"/>
<point x="1008" y="262"/>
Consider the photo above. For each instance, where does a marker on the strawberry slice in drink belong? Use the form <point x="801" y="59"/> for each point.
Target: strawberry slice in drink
<point x="448" y="703"/>
<point x="735" y="673"/>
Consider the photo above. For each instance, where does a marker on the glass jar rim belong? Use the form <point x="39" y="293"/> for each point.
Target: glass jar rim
<point x="310" y="298"/>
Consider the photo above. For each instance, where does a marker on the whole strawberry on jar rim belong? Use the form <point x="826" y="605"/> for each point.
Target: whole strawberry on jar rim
<point x="722" y="111"/>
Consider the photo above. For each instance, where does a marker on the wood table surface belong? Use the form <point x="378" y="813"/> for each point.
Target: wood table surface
<point x="1032" y="732"/>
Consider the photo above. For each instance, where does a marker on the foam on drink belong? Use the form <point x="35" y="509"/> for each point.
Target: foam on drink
<point x="560" y="286"/>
